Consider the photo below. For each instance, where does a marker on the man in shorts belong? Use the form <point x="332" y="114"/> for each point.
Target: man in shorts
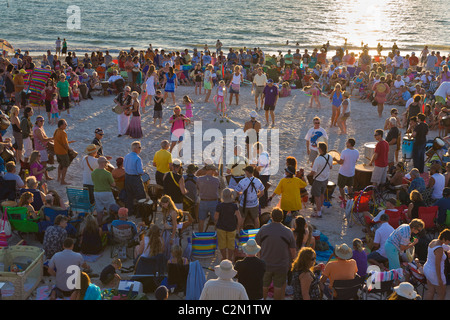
<point x="259" y="83"/>
<point x="380" y="159"/>
<point x="250" y="189"/>
<point x="278" y="249"/>
<point x="321" y="173"/>
<point x="347" y="160"/>
<point x="208" y="192"/>
<point x="270" y="96"/>
<point x="312" y="139"/>
<point x="61" y="149"/>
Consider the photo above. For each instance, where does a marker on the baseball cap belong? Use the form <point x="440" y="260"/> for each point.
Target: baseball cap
<point x="99" y="131"/>
<point x="270" y="81"/>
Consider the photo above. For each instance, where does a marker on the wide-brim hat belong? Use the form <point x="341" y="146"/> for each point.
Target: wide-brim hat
<point x="225" y="270"/>
<point x="251" y="247"/>
<point x="343" y="251"/>
<point x="91" y="148"/>
<point x="192" y="168"/>
<point x="406" y="290"/>
<point x="177" y="162"/>
<point x="209" y="167"/>
<point x="381" y="88"/>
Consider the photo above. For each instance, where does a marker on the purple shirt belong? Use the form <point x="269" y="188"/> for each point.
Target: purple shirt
<point x="361" y="262"/>
<point x="270" y="95"/>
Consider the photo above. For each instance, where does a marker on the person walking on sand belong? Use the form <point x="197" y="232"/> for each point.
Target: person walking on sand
<point x="380" y="91"/>
<point x="235" y="84"/>
<point x="320" y="172"/>
<point x="124" y="99"/>
<point x="61" y="148"/>
<point x="270" y="97"/>
<point x="336" y="99"/>
<point x="259" y="83"/>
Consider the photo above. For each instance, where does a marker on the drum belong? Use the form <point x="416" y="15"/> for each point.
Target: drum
<point x="330" y="189"/>
<point x="363" y="174"/>
<point x="438" y="143"/>
<point x="369" y="150"/>
<point x="51" y="152"/>
<point x="155" y="192"/>
<point x="407" y="147"/>
<point x="445" y="121"/>
<point x="105" y="86"/>
<point x="109" y="167"/>
<point x="8" y="155"/>
<point x="144" y="208"/>
<point x="4" y="123"/>
<point x="335" y="154"/>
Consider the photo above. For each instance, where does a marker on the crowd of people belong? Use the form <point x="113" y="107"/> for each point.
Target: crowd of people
<point x="283" y="251"/>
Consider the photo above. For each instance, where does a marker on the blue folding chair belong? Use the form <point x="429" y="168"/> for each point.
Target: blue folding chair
<point x="79" y="199"/>
<point x="52" y="214"/>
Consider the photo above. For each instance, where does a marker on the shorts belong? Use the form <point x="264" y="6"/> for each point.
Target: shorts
<point x="28" y="147"/>
<point x="225" y="239"/>
<point x="318" y="188"/>
<point x="379" y="175"/>
<point x="267" y="107"/>
<point x="55" y="115"/>
<point x="63" y="160"/>
<point x="175" y="138"/>
<point x="103" y="200"/>
<point x="345" y="116"/>
<point x="313" y="155"/>
<point x="259" y="90"/>
<point x="278" y="279"/>
<point x="48" y="106"/>
<point x="377" y="257"/>
<point x="157" y="114"/>
<point x="253" y="212"/>
<point x="219" y="99"/>
<point x="344" y="181"/>
<point x="207" y="85"/>
<point x="206" y="207"/>
<point x="63" y="103"/>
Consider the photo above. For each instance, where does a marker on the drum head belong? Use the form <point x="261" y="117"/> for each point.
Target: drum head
<point x="439" y="142"/>
<point x="145" y="201"/>
<point x="335" y="154"/>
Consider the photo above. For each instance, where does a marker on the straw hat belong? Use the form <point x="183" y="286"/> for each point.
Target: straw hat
<point x="91" y="148"/>
<point x="225" y="270"/>
<point x="406" y="290"/>
<point x="192" y="168"/>
<point x="251" y="247"/>
<point x="343" y="251"/>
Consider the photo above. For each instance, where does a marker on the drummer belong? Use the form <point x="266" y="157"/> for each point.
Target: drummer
<point x="97" y="141"/>
<point x="236" y="169"/>
<point x="392" y="139"/>
<point x="380" y="159"/>
<point x="348" y="160"/>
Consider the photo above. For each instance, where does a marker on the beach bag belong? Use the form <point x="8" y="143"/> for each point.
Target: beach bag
<point x="5" y="226"/>
<point x="204" y="244"/>
<point x="117" y="109"/>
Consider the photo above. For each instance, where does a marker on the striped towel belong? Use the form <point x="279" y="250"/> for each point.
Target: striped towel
<point x="37" y="81"/>
<point x="382" y="276"/>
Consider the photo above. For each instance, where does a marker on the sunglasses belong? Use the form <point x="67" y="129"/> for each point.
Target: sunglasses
<point x="316" y="122"/>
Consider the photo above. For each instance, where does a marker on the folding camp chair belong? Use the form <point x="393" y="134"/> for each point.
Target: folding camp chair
<point x="244" y="236"/>
<point x="395" y="218"/>
<point x="18" y="217"/>
<point x="348" y="289"/>
<point x="150" y="272"/>
<point x="204" y="244"/>
<point x="120" y="238"/>
<point x="429" y="217"/>
<point x="79" y="200"/>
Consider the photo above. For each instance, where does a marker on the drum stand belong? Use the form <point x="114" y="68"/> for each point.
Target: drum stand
<point x="431" y="153"/>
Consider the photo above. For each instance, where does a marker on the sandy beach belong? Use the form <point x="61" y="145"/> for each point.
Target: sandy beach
<point x="293" y="119"/>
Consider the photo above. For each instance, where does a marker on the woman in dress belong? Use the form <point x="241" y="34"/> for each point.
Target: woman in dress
<point x="170" y="84"/>
<point x="304" y="280"/>
<point x="381" y="90"/>
<point x="134" y="128"/>
<point x="149" y="87"/>
<point x="435" y="265"/>
<point x="235" y="84"/>
<point x="17" y="132"/>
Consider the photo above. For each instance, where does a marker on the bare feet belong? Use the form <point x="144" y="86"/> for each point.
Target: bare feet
<point x="63" y="183"/>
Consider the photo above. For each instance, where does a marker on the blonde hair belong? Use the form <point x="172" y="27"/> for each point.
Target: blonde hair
<point x="187" y="98"/>
<point x="221" y="82"/>
<point x="91" y="224"/>
<point x="117" y="262"/>
<point x="31" y="182"/>
<point x="177" y="253"/>
<point x="303" y="261"/>
<point x="171" y="207"/>
<point x="415" y="196"/>
<point x="358" y="245"/>
<point x="15" y="110"/>
<point x="154" y="240"/>
<point x="135" y="94"/>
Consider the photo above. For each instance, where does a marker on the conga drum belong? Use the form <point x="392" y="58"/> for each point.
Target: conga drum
<point x="155" y="192"/>
<point x="331" y="186"/>
<point x="407" y="147"/>
<point x="335" y="155"/>
<point x="145" y="209"/>
<point x="363" y="174"/>
<point x="50" y="152"/>
<point x="369" y="150"/>
<point x="105" y="86"/>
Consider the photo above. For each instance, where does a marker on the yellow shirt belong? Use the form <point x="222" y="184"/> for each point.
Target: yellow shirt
<point x="289" y="188"/>
<point x="162" y="159"/>
<point x="61" y="144"/>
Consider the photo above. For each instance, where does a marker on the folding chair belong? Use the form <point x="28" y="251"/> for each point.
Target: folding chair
<point x="177" y="276"/>
<point x="204" y="244"/>
<point x="348" y="289"/>
<point x="79" y="200"/>
<point x="150" y="272"/>
<point x="18" y="217"/>
<point x="395" y="218"/>
<point x="429" y="217"/>
<point x="37" y="198"/>
<point x="120" y="238"/>
<point x="244" y="236"/>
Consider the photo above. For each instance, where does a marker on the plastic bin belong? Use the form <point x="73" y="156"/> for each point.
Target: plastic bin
<point x="30" y="261"/>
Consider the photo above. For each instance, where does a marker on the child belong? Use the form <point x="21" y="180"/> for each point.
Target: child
<point x="55" y="110"/>
<point x="158" y="101"/>
<point x="221" y="96"/>
<point x="198" y="78"/>
<point x="188" y="103"/>
<point x="360" y="256"/>
<point x="315" y="93"/>
<point x="109" y="275"/>
<point x="26" y="199"/>
<point x="285" y="89"/>
<point x="76" y="94"/>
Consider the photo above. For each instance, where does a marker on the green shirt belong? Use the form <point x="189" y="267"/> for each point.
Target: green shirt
<point x="63" y="88"/>
<point x="102" y="180"/>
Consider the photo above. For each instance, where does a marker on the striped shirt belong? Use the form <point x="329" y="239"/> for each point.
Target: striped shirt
<point x="400" y="236"/>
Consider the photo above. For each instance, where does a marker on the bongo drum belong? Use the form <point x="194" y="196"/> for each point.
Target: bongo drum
<point x="145" y="209"/>
<point x="363" y="174"/>
<point x="8" y="155"/>
<point x="50" y="152"/>
<point x="407" y="147"/>
<point x="438" y="143"/>
<point x="109" y="167"/>
<point x="331" y="186"/>
<point x="445" y="121"/>
<point x="335" y="154"/>
<point x="4" y="124"/>
<point x="369" y="150"/>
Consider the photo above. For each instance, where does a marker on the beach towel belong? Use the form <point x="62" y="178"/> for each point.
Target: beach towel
<point x="323" y="256"/>
<point x="382" y="276"/>
<point x="195" y="282"/>
<point x="91" y="257"/>
<point x="36" y="83"/>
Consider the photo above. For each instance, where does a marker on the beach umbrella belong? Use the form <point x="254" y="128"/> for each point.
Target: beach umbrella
<point x="6" y="46"/>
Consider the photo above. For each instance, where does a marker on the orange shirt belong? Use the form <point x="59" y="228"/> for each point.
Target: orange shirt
<point x="61" y="144"/>
<point x="18" y="83"/>
<point x="340" y="270"/>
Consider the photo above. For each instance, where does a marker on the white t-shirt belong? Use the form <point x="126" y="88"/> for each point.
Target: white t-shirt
<point x="439" y="184"/>
<point x="350" y="158"/>
<point x="381" y="235"/>
<point x="263" y="160"/>
<point x="93" y="162"/>
<point x="410" y="100"/>
<point x="398" y="84"/>
<point x="313" y="135"/>
<point x="319" y="164"/>
<point x="443" y="90"/>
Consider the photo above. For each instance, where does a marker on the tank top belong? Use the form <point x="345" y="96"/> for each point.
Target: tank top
<point x="38" y="144"/>
<point x="337" y="100"/>
<point x="236" y="79"/>
<point x="348" y="106"/>
<point x="439" y="184"/>
<point x="171" y="188"/>
<point x="136" y="113"/>
<point x="430" y="265"/>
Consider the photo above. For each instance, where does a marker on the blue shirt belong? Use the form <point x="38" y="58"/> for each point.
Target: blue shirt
<point x="132" y="164"/>
<point x="406" y="95"/>
<point x="417" y="184"/>
<point x="117" y="223"/>
<point x="444" y="205"/>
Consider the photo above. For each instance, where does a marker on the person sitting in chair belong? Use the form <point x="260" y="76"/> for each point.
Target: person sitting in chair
<point x="123" y="221"/>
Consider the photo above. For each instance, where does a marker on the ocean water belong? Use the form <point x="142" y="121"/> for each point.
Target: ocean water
<point x="173" y="24"/>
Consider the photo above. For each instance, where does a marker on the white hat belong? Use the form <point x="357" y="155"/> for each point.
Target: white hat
<point x="253" y="114"/>
<point x="406" y="290"/>
<point x="209" y="161"/>
<point x="225" y="270"/>
<point x="343" y="251"/>
<point x="413" y="53"/>
<point x="251" y="247"/>
<point x="176" y="162"/>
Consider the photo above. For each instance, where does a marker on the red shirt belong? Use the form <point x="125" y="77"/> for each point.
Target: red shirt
<point x="382" y="149"/>
<point x="413" y="61"/>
